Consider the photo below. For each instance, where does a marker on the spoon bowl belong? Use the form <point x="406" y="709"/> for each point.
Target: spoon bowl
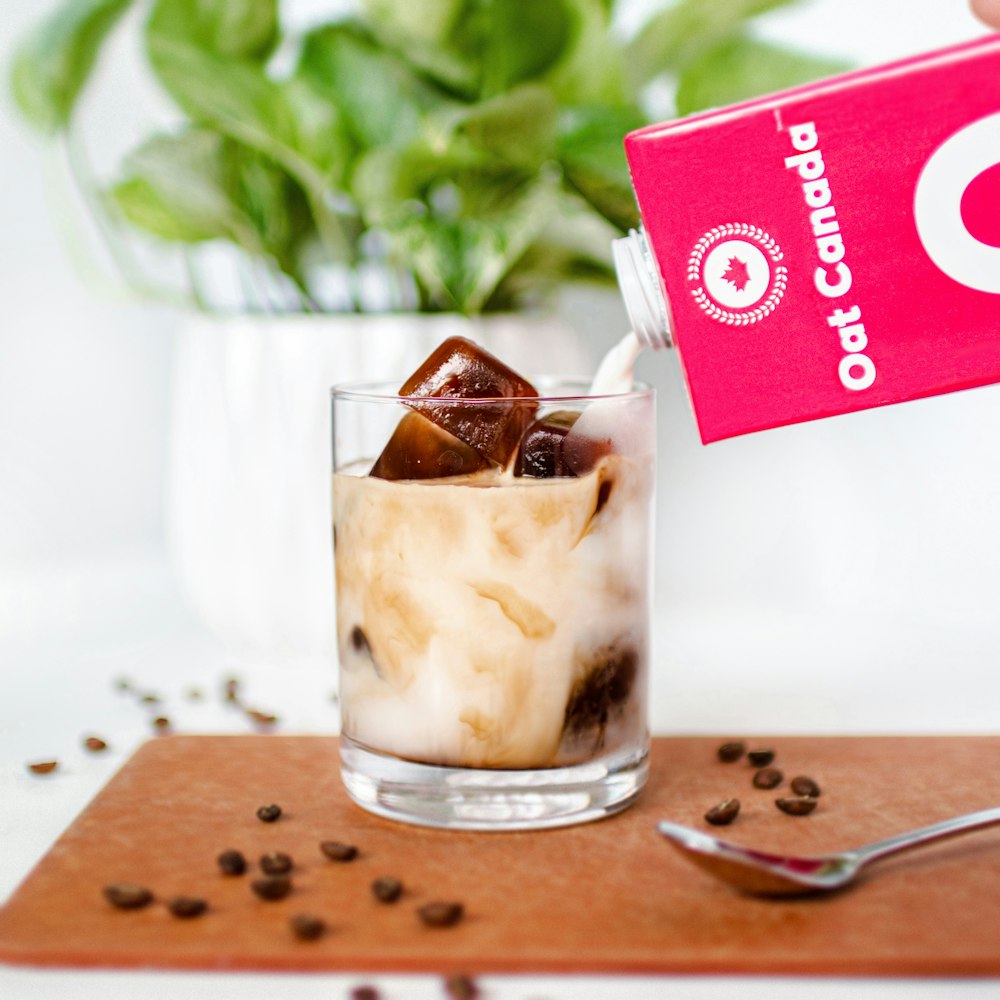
<point x="766" y="874"/>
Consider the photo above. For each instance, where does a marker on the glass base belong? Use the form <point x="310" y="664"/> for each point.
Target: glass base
<point x="458" y="798"/>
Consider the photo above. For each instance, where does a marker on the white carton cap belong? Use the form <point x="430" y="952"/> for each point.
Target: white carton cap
<point x="640" y="287"/>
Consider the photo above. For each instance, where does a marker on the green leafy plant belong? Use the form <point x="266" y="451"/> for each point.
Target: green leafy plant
<point x="472" y="146"/>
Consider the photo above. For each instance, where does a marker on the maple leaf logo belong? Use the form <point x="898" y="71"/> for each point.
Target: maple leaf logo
<point x="737" y="274"/>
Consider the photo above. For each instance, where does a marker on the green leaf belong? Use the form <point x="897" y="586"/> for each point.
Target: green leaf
<point x="575" y="245"/>
<point x="741" y="68"/>
<point x="390" y="183"/>
<point x="275" y="205"/>
<point x="478" y="48"/>
<point x="518" y="128"/>
<point x="381" y="99"/>
<point x="593" y="158"/>
<point x="517" y="40"/>
<point x="246" y="28"/>
<point x="53" y="63"/>
<point x="177" y="188"/>
<point x="430" y="22"/>
<point x="461" y="260"/>
<point x="422" y="30"/>
<point x="684" y="31"/>
<point x="590" y="69"/>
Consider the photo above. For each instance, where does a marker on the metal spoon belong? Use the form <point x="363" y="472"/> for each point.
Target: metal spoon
<point x="764" y="874"/>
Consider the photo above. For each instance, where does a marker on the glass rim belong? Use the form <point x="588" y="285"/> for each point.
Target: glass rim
<point x="382" y="391"/>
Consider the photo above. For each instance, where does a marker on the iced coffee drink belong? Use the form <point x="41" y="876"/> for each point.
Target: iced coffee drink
<point x="493" y="583"/>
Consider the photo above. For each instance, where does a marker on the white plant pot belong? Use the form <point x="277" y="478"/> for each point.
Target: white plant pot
<point x="248" y="486"/>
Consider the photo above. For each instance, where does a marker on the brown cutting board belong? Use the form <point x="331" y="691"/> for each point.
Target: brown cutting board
<point x="606" y="896"/>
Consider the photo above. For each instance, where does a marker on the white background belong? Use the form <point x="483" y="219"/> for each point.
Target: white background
<point x="840" y="576"/>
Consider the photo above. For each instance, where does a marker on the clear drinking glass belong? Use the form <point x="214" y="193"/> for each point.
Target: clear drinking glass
<point x="493" y="627"/>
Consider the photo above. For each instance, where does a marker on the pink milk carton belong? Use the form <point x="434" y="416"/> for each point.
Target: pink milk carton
<point x="827" y="249"/>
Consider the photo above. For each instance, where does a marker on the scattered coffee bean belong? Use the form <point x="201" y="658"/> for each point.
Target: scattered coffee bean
<point x="232" y="862"/>
<point x="387" y="889"/>
<point x="272" y="886"/>
<point x="724" y="813"/>
<point x="150" y="699"/>
<point x="43" y="766"/>
<point x="767" y="777"/>
<point x="94" y="744"/>
<point x="306" y="927"/>
<point x="805" y="786"/>
<point x="161" y="723"/>
<point x="260" y="718"/>
<point x="268" y="814"/>
<point x="337" y="851"/>
<point x="275" y="863"/>
<point x="364" y="993"/>
<point x="731" y="751"/>
<point x="231" y="690"/>
<point x="187" y="906"/>
<point x="127" y="895"/>
<point x="800" y="806"/>
<point x="760" y="758"/>
<point x="440" y="914"/>
<point x="461" y="987"/>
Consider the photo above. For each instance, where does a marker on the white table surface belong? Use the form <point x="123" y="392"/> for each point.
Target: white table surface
<point x="67" y="634"/>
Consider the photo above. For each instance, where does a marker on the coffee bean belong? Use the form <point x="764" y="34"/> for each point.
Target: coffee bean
<point x="43" y="766"/>
<point x="364" y="993"/>
<point x="275" y="863"/>
<point x="272" y="886"/>
<point x="801" y="806"/>
<point x="232" y="863"/>
<point x="760" y="758"/>
<point x="387" y="889"/>
<point x="94" y="744"/>
<point x="231" y="690"/>
<point x="306" y="927"/>
<point x="724" y="813"/>
<point x="127" y="895"/>
<point x="260" y="718"/>
<point x="731" y="751"/>
<point x="767" y="777"/>
<point x="187" y="906"/>
<point x="802" y="785"/>
<point x="161" y="723"/>
<point x="150" y="699"/>
<point x="461" y="987"/>
<point x="268" y="814"/>
<point x="337" y="851"/>
<point x="440" y="914"/>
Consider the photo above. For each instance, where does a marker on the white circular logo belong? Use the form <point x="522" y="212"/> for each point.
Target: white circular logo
<point x="736" y="275"/>
<point x="956" y="205"/>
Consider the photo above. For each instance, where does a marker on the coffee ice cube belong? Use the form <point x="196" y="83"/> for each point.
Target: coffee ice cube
<point x="461" y="370"/>
<point x="540" y="454"/>
<point x="601" y="693"/>
<point x="419" y="449"/>
<point x="553" y="446"/>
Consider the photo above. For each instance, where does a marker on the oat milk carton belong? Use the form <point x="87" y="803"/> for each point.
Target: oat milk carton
<point x="827" y="249"/>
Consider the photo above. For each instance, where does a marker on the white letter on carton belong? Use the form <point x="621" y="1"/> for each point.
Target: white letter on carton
<point x="804" y="137"/>
<point x="833" y="289"/>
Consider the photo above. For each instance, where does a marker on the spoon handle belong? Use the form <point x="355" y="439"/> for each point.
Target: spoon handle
<point x="936" y="831"/>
